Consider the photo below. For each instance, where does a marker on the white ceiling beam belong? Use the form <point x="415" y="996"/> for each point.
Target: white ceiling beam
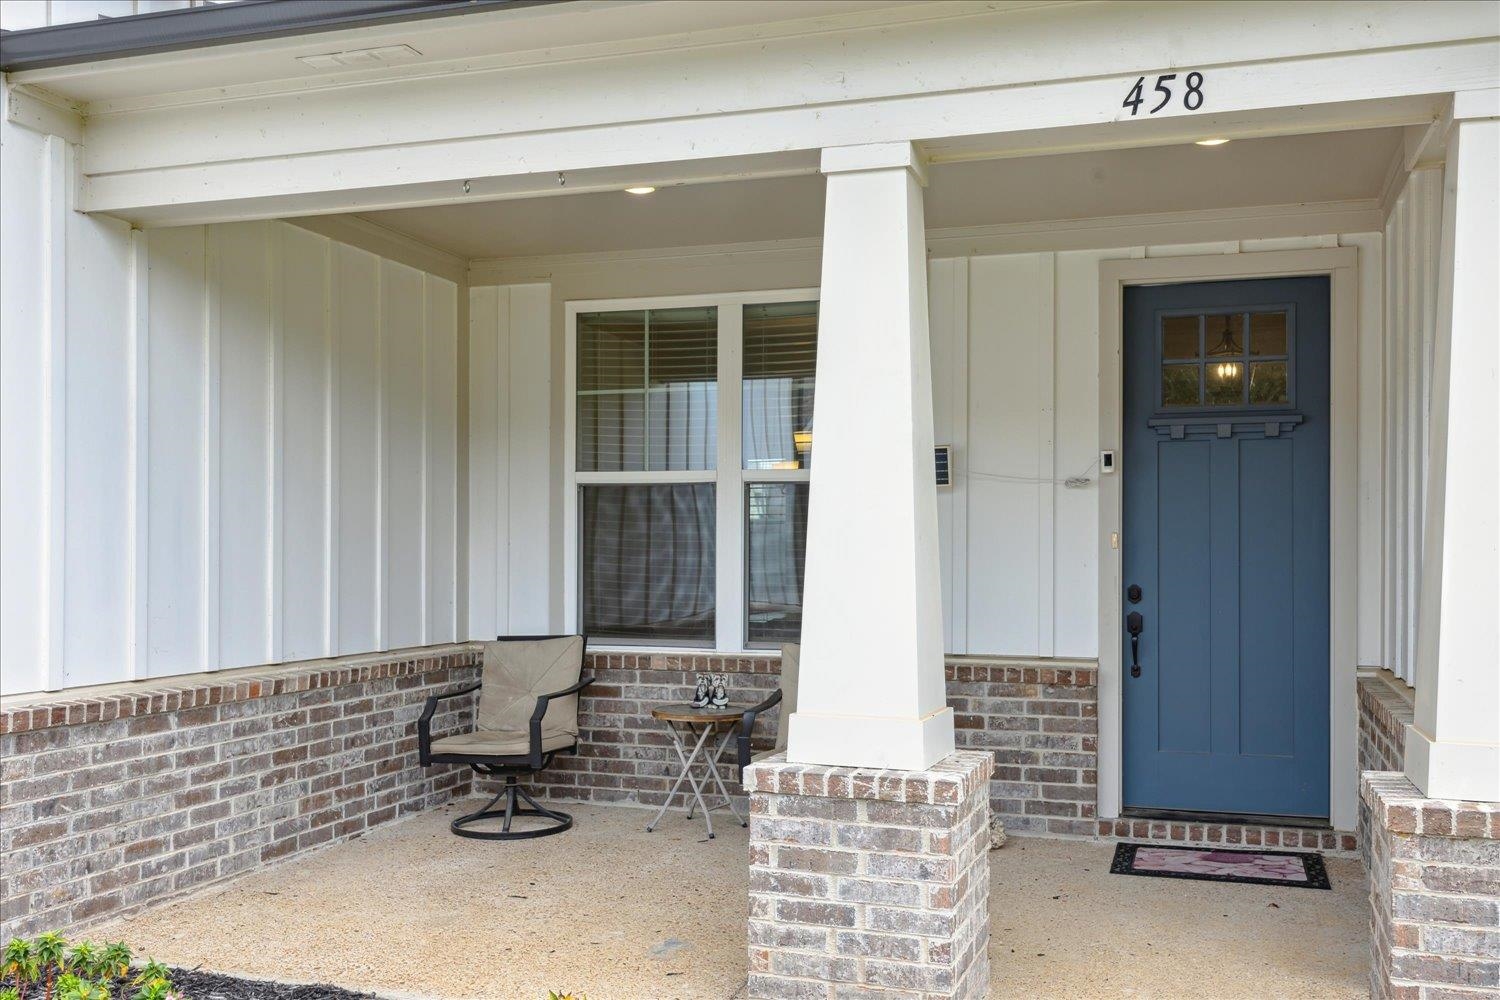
<point x="405" y="173"/>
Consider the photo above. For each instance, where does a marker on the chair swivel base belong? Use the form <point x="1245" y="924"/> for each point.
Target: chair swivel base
<point x="557" y="821"/>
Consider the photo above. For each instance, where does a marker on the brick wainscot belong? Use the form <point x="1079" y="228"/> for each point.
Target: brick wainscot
<point x="116" y="797"/>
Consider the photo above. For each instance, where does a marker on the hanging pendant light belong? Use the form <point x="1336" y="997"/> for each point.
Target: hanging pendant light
<point x="1227" y="347"/>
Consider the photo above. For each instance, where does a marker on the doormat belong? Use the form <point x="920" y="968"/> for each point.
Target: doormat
<point x="1295" y="868"/>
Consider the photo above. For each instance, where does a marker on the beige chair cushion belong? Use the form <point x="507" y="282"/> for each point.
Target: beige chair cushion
<point x="516" y="673"/>
<point x="791" y="656"/>
<point x="513" y="744"/>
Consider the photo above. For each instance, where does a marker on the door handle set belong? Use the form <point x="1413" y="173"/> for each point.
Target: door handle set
<point x="1134" y="624"/>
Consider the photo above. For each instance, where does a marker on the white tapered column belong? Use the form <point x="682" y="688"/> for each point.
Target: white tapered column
<point x="871" y="685"/>
<point x="1453" y="744"/>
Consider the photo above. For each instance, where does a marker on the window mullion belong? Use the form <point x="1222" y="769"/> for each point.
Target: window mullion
<point x="730" y="535"/>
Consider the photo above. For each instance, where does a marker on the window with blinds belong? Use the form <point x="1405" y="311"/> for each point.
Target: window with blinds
<point x="648" y="391"/>
<point x="652" y="488"/>
<point x="781" y="353"/>
<point x="649" y="561"/>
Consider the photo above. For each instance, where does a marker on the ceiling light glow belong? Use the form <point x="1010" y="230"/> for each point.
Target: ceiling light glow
<point x="642" y="189"/>
<point x="1210" y="142"/>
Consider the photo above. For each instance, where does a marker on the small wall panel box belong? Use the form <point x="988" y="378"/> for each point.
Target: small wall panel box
<point x="944" y="454"/>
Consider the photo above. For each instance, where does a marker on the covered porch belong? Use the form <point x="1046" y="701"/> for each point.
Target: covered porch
<point x="390" y="400"/>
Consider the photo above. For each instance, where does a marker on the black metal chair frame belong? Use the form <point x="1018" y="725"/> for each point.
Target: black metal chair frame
<point x="747" y="723"/>
<point x="509" y="767"/>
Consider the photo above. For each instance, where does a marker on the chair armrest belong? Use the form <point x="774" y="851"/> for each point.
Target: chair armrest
<point x="747" y="723"/>
<point x="540" y="711"/>
<point x="424" y="721"/>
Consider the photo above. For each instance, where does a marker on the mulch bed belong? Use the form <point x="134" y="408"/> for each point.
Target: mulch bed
<point x="195" y="984"/>
<point x="198" y="985"/>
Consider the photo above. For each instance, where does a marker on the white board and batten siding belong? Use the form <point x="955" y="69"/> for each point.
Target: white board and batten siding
<point x="1015" y="390"/>
<point x="1411" y="282"/>
<point x="231" y="445"/>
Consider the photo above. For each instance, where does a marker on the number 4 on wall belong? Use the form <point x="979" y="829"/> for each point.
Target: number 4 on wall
<point x="1192" y="97"/>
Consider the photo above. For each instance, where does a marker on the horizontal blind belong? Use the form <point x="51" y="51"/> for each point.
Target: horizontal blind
<point x="647" y="390"/>
<point x="780" y="358"/>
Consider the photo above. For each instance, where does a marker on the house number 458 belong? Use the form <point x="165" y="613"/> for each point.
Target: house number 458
<point x="1192" y="97"/>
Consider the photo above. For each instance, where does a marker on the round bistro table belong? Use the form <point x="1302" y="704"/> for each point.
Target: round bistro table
<point x="692" y="730"/>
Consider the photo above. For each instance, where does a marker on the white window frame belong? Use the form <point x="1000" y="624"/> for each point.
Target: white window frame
<point x="729" y="477"/>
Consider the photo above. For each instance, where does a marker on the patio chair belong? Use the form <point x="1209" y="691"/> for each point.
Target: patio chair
<point x="785" y="696"/>
<point x="527" y="713"/>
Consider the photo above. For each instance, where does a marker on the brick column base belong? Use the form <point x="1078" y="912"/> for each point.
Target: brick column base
<point x="866" y="883"/>
<point x="1434" y="893"/>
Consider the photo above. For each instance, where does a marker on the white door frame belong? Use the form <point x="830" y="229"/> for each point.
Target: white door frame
<point x="1341" y="264"/>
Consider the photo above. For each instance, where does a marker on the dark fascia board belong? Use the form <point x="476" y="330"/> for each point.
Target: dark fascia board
<point x="218" y="24"/>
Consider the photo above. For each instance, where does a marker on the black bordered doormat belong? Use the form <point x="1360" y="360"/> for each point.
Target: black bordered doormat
<point x="1211" y="864"/>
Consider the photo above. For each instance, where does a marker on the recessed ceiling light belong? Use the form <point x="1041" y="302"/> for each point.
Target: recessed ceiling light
<point x="1210" y="142"/>
<point x="643" y="189"/>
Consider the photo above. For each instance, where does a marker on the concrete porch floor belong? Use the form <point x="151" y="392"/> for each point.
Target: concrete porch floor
<point x="609" y="910"/>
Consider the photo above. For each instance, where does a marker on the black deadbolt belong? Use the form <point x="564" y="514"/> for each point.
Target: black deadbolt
<point x="1133" y="593"/>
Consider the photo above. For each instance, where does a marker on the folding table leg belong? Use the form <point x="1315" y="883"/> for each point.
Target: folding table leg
<point x="686" y="774"/>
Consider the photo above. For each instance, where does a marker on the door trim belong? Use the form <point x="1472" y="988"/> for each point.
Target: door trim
<point x="1341" y="265"/>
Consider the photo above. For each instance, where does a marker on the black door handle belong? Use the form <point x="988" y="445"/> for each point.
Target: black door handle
<point x="1135" y="624"/>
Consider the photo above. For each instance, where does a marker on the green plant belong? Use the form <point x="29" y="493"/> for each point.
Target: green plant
<point x="48" y="968"/>
<point x="21" y="965"/>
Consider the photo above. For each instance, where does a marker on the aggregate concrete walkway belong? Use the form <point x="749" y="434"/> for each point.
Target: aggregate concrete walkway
<point x="607" y="909"/>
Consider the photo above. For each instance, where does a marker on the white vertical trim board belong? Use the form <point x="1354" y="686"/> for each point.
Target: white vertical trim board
<point x="1342" y="265"/>
<point x="55" y="200"/>
<point x="208" y="602"/>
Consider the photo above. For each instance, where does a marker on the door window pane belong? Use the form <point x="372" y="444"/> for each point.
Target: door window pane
<point x="1268" y="382"/>
<point x="1179" y="385"/>
<point x="648" y="561"/>
<point x="1268" y="334"/>
<point x="648" y="390"/>
<point x="1179" y="337"/>
<point x="1225" y="383"/>
<point x="775" y="557"/>
<point x="1224" y="335"/>
<point x="781" y="352"/>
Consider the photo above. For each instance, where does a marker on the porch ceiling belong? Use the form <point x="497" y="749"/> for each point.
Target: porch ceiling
<point x="1283" y="170"/>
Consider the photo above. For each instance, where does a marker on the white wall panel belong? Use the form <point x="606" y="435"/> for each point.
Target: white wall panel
<point x="510" y="461"/>
<point x="176" y="457"/>
<point x="441" y="449"/>
<point x="98" y="476"/>
<point x="247" y="325"/>
<point x="1010" y="347"/>
<point x="360" y="539"/>
<point x="222" y="446"/>
<point x="24" y="242"/>
<point x="306" y="397"/>
<point x="530" y="395"/>
<point x="1411" y="240"/>
<point x="403" y="437"/>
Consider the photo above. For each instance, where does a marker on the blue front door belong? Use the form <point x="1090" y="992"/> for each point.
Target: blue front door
<point x="1225" y="638"/>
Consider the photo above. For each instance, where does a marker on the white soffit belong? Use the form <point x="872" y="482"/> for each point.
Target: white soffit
<point x="1284" y="170"/>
